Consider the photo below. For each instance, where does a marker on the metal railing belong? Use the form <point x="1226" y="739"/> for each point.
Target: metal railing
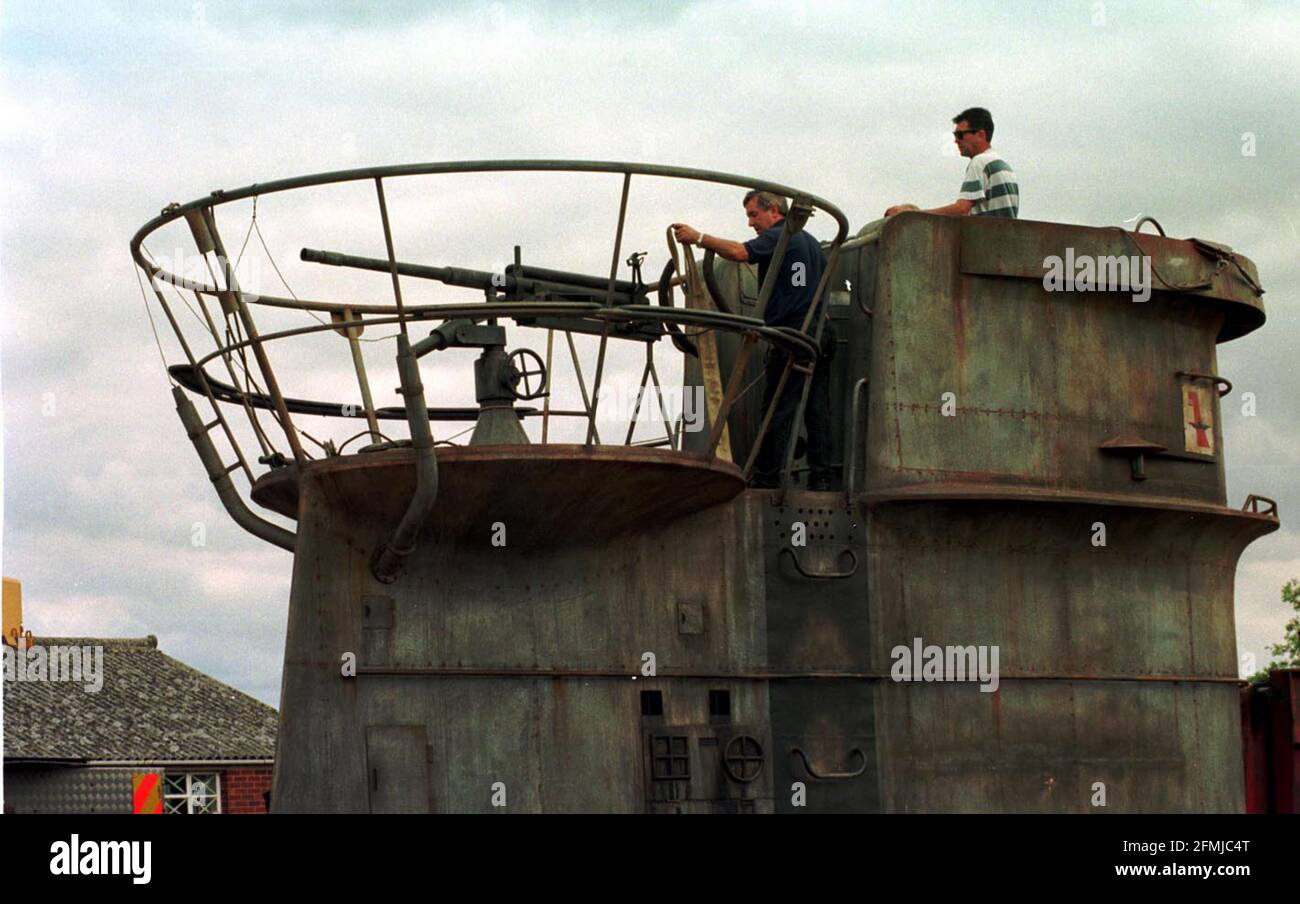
<point x="242" y="336"/>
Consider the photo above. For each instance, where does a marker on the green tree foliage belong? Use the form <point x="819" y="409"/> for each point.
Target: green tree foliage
<point x="1286" y="655"/>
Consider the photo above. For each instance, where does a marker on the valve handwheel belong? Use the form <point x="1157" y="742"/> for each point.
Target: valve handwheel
<point x="525" y="374"/>
<point x="743" y="758"/>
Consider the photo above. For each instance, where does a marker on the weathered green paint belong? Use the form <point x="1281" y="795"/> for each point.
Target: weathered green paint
<point x="522" y="664"/>
<point x="980" y="525"/>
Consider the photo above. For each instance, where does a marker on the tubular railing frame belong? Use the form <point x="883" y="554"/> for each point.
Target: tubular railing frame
<point x="751" y="328"/>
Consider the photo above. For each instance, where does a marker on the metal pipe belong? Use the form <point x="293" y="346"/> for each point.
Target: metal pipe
<point x="363" y="382"/>
<point x="728" y="397"/>
<point x="220" y="477"/>
<point x="582" y="385"/>
<point x="366" y="399"/>
<point x="767" y="420"/>
<point x="546" y="401"/>
<point x="663" y="410"/>
<point x="640" y="394"/>
<point x="258" y="432"/>
<point x="392" y="258"/>
<point x="203" y="240"/>
<point x="203" y="382"/>
<point x="223" y="196"/>
<point x="858" y="241"/>
<point x="823" y="314"/>
<point x="389" y="557"/>
<point x="246" y="317"/>
<point x="791" y="340"/>
<point x="851" y="453"/>
<point x="609" y="300"/>
<point x="1153" y="221"/>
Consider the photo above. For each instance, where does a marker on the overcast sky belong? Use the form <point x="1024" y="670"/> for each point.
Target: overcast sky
<point x="110" y="111"/>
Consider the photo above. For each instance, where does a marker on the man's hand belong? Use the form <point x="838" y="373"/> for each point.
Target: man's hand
<point x="687" y="234"/>
<point x="725" y="249"/>
<point x="958" y="208"/>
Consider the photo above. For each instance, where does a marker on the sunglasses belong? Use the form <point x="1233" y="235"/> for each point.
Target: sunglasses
<point x="959" y="133"/>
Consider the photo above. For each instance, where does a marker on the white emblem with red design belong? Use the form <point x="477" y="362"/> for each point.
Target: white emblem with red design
<point x="1198" y="418"/>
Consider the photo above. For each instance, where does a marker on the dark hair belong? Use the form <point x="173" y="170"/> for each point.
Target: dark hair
<point x="977" y="118"/>
<point x="767" y="200"/>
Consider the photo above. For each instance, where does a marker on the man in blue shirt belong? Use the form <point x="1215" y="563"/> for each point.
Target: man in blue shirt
<point x="796" y="283"/>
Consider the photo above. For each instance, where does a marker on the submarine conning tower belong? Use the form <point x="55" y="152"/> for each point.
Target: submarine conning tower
<point x="1018" y="595"/>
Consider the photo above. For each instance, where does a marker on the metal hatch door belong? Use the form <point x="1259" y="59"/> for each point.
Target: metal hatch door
<point x="397" y="768"/>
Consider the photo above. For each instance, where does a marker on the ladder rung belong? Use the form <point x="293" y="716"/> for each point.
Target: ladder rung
<point x="210" y="424"/>
<point x="235" y="467"/>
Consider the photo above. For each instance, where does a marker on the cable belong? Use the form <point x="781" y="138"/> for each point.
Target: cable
<point x="145" y="298"/>
<point x="462" y="433"/>
<point x="1177" y="287"/>
<point x="366" y="432"/>
<point x="247" y="233"/>
<point x="183" y="299"/>
<point x="253" y="226"/>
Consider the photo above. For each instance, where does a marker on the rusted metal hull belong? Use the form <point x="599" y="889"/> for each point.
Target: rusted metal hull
<point x="514" y="675"/>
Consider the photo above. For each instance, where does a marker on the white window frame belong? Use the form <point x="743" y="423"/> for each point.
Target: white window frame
<point x="190" y="797"/>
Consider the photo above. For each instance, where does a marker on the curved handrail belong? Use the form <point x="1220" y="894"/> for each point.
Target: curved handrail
<point x="791" y="340"/>
<point x="349" y="319"/>
<point x="257" y="189"/>
<point x="193" y="380"/>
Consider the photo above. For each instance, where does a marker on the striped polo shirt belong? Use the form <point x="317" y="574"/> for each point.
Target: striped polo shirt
<point x="991" y="183"/>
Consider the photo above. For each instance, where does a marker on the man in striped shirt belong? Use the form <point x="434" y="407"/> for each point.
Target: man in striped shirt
<point x="990" y="188"/>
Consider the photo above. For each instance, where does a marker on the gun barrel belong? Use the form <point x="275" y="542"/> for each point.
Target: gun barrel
<point x="569" y="278"/>
<point x="454" y="276"/>
<point x="536" y="282"/>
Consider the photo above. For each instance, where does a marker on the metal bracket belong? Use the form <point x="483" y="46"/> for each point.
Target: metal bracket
<point x="1135" y="449"/>
<point x="1215" y="378"/>
<point x="832" y="776"/>
<point x="1252" y="506"/>
<point x="824" y="575"/>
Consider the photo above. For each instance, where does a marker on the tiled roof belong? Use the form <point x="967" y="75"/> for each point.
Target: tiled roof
<point x="150" y="708"/>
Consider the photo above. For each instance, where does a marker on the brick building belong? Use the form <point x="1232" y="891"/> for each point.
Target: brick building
<point x="96" y="725"/>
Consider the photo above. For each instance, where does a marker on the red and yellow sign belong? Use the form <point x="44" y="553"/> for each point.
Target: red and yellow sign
<point x="146" y="792"/>
<point x="1198" y="418"/>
